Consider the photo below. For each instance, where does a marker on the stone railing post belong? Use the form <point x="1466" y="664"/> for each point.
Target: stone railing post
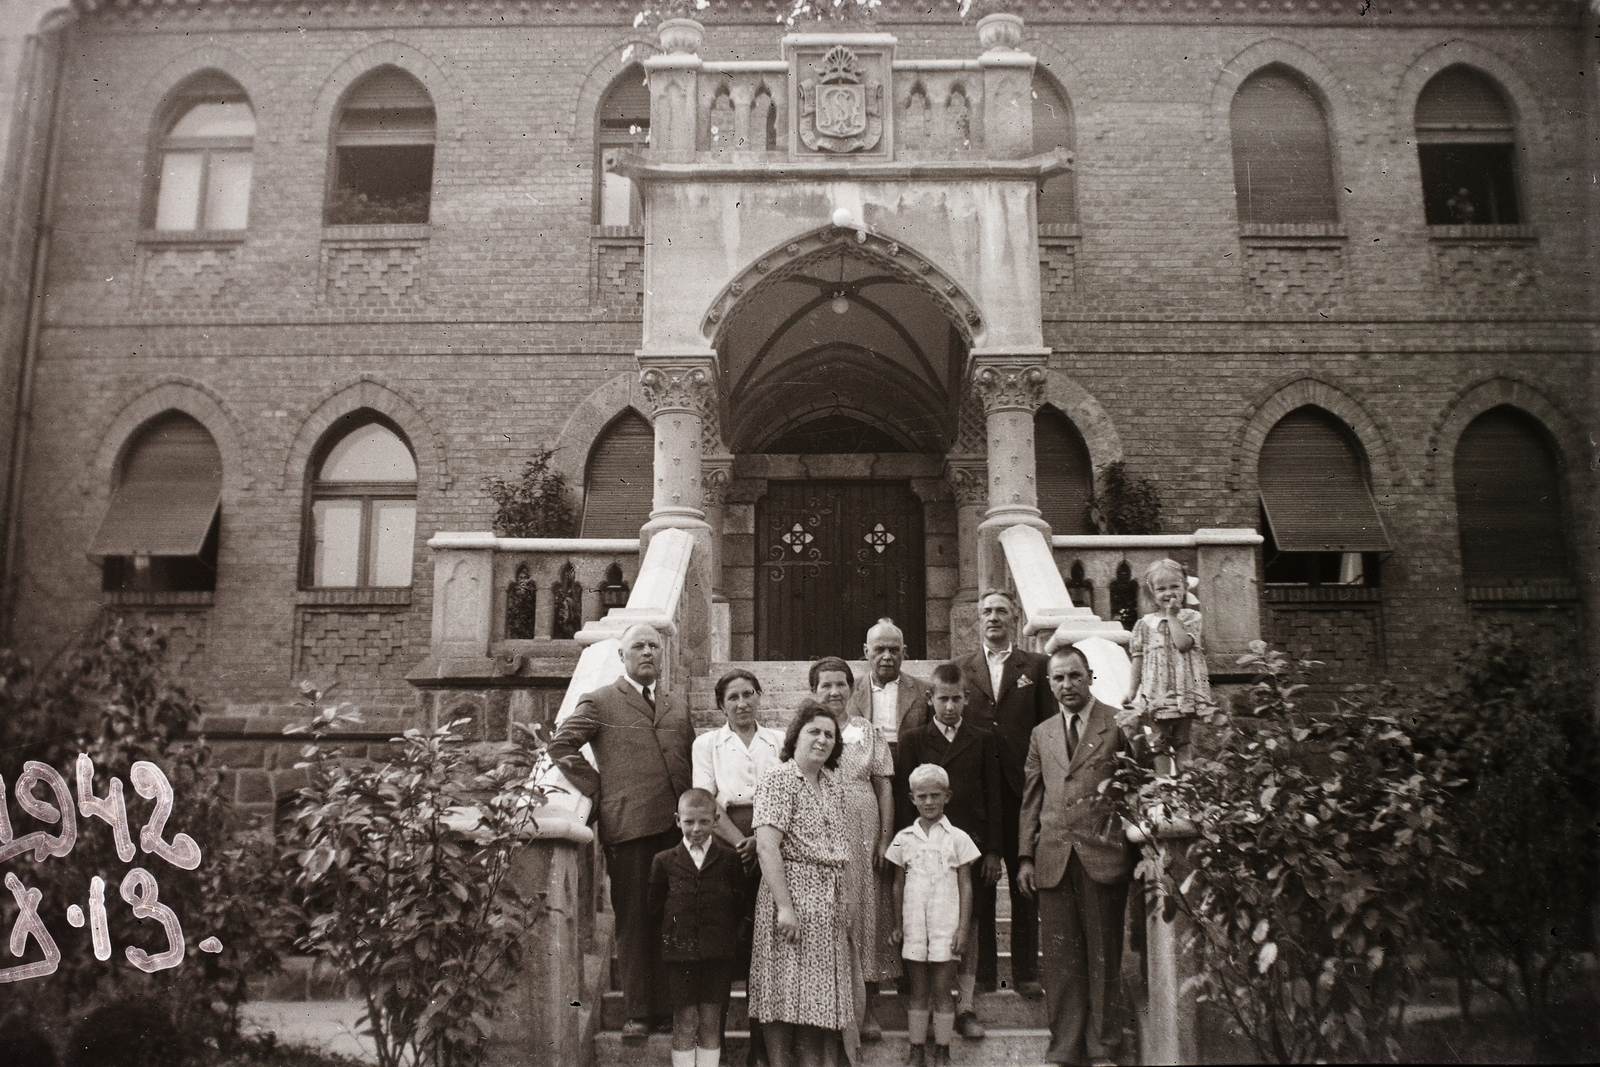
<point x="1007" y="103"/>
<point x="1229" y="590"/>
<point x="1010" y="386"/>
<point x="674" y="80"/>
<point x="969" y="482"/>
<point x="463" y="600"/>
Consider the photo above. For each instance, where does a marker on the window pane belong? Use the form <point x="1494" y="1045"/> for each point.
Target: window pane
<point x="371" y="453"/>
<point x="336" y="555"/>
<point x="394" y="529"/>
<point x="620" y="204"/>
<point x="178" y="207"/>
<point x="231" y="119"/>
<point x="228" y="191"/>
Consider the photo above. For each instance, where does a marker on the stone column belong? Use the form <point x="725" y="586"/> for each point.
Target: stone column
<point x="717" y="474"/>
<point x="1010" y="386"/>
<point x="969" y="482"/>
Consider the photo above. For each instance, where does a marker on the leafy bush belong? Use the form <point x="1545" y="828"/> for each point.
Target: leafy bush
<point x="112" y="699"/>
<point x="407" y="891"/>
<point x="1520" y="738"/>
<point x="536" y="504"/>
<point x="1320" y="851"/>
<point x="1124" y="504"/>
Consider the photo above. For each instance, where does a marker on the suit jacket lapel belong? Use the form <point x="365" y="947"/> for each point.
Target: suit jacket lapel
<point x="636" y="700"/>
<point x="1009" y="674"/>
<point x="963" y="741"/>
<point x="1096" y="725"/>
<point x="981" y="669"/>
<point x="1054" y="747"/>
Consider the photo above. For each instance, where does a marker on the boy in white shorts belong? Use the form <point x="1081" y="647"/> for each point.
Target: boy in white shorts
<point x="933" y="904"/>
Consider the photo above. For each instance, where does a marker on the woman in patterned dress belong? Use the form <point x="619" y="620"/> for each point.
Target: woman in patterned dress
<point x="866" y="771"/>
<point x="801" y="980"/>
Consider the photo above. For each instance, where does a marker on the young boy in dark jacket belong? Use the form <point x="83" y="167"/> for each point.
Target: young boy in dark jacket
<point x="697" y="890"/>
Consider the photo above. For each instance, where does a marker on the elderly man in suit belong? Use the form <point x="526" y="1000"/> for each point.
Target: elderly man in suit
<point x="1077" y="860"/>
<point x="641" y="741"/>
<point x="1007" y="691"/>
<point x="894" y="701"/>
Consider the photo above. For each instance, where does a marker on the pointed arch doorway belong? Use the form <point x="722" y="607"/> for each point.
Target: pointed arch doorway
<point x="842" y="363"/>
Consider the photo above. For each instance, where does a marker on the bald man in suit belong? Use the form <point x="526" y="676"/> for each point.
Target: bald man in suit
<point x="641" y="741"/>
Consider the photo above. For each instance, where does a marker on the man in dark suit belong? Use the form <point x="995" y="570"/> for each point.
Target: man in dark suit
<point x="641" y="742"/>
<point x="1076" y="858"/>
<point x="1007" y="691"/>
<point x="966" y="751"/>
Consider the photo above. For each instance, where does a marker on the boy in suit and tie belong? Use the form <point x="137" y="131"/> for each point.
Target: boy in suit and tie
<point x="697" y="891"/>
<point x="966" y="751"/>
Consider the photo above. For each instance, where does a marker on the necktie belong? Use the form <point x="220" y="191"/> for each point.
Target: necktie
<point x="1072" y="736"/>
<point x="649" y="698"/>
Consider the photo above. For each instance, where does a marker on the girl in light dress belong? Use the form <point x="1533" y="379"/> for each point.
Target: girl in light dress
<point x="1170" y="685"/>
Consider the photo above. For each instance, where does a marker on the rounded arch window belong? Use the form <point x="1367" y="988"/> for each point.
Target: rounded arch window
<point x="363" y="509"/>
<point x="383" y="152"/>
<point x="205" y="150"/>
<point x="1466" y="150"/>
<point x="1319" y="518"/>
<point x="160" y="532"/>
<point x="623" y="125"/>
<point x="1282" y="155"/>
<point x="618" y="483"/>
<point x="1509" y="503"/>
<point x="1064" y="477"/>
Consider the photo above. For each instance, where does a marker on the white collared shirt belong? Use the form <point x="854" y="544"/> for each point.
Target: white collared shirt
<point x="698" y="854"/>
<point x="729" y="770"/>
<point x="948" y="731"/>
<point x="997" y="667"/>
<point x="640" y="687"/>
<point x="886" y="708"/>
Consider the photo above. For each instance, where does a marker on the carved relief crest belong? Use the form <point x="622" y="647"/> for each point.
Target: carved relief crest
<point x="841" y="110"/>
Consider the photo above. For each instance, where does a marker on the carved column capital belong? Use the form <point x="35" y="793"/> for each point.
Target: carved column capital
<point x="715" y="477"/>
<point x="969" y="480"/>
<point x="1009" y="383"/>
<point x="670" y="387"/>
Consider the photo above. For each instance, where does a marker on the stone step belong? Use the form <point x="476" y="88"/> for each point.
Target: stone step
<point x="1005" y="1010"/>
<point x="1002" y="1048"/>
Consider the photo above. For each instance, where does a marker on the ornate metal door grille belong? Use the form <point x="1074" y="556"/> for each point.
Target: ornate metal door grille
<point x="833" y="558"/>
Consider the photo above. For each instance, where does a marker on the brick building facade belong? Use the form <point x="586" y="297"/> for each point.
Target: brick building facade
<point x="1185" y="320"/>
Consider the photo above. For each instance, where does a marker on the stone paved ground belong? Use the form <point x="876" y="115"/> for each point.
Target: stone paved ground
<point x="329" y="1025"/>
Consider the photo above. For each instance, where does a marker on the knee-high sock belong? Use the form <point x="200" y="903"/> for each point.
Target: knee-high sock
<point x="683" y="1058"/>
<point x="944" y="1024"/>
<point x="707" y="1057"/>
<point x="917" y="1026"/>
<point x="966" y="983"/>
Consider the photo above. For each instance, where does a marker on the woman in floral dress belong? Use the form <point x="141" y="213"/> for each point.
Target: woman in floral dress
<point x="801" y="981"/>
<point x="866" y="770"/>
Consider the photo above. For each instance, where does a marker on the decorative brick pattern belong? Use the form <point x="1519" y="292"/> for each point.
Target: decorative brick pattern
<point x="331" y="641"/>
<point x="371" y="275"/>
<point x="1347" y="639"/>
<point x="1496" y="274"/>
<point x="186" y="277"/>
<point x="1307" y="276"/>
<point x="1058" y="276"/>
<point x="619" y="275"/>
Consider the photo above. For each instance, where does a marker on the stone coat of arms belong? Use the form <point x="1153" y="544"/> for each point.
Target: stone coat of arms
<point x="841" y="110"/>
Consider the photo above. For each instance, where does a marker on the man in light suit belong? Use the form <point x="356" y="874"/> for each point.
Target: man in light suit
<point x="641" y="741"/>
<point x="1077" y="861"/>
<point x="1008" y="691"/>
<point x="894" y="702"/>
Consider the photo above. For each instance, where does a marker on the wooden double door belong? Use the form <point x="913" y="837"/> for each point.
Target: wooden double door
<point x="831" y="559"/>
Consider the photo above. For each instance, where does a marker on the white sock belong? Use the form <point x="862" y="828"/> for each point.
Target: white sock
<point x="917" y="1026"/>
<point x="707" y="1057"/>
<point x="684" y="1058"/>
<point x="944" y="1024"/>
<point x="967" y="984"/>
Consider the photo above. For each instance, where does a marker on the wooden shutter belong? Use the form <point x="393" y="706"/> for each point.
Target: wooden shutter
<point x="1052" y="129"/>
<point x="627" y="102"/>
<point x="1282" y="162"/>
<point x="1461" y="105"/>
<point x="1315" y="490"/>
<point x="388" y="107"/>
<point x="1508" y="503"/>
<point x="618" y="486"/>
<point x="169" y="493"/>
<point x="1063" y="475"/>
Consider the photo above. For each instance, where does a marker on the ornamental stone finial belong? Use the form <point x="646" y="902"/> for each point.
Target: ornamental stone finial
<point x="1009" y="387"/>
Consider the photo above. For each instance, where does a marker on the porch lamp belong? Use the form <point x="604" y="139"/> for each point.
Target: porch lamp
<point x="840" y="303"/>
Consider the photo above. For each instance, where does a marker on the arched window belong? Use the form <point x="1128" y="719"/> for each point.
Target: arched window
<point x="363" y="509"/>
<point x="382" y="152"/>
<point x="1466" y="146"/>
<point x="160" y="533"/>
<point x="205" y="153"/>
<point x="618" y="484"/>
<point x="1282" y="160"/>
<point x="1322" y="525"/>
<point x="623" y="125"/>
<point x="1064" y="477"/>
<point x="1052" y="129"/>
<point x="1508" y="503"/>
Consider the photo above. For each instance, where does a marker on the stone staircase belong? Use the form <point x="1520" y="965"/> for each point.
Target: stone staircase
<point x="1017" y="1030"/>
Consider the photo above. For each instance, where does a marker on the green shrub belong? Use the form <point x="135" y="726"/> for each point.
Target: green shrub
<point x="1125" y="504"/>
<point x="407" y="893"/>
<point x="111" y="698"/>
<point x="1321" y="847"/>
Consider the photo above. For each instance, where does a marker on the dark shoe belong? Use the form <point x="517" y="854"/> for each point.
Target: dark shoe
<point x="915" y="1056"/>
<point x="635" y="1032"/>
<point x="1030" y="990"/>
<point x="967" y="1025"/>
<point x="871" y="1032"/>
<point x="941" y="1056"/>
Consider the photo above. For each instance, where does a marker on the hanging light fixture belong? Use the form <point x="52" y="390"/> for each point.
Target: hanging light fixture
<point x="840" y="302"/>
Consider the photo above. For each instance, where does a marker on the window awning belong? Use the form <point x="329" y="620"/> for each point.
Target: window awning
<point x="1314" y="492"/>
<point x="158" y="518"/>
